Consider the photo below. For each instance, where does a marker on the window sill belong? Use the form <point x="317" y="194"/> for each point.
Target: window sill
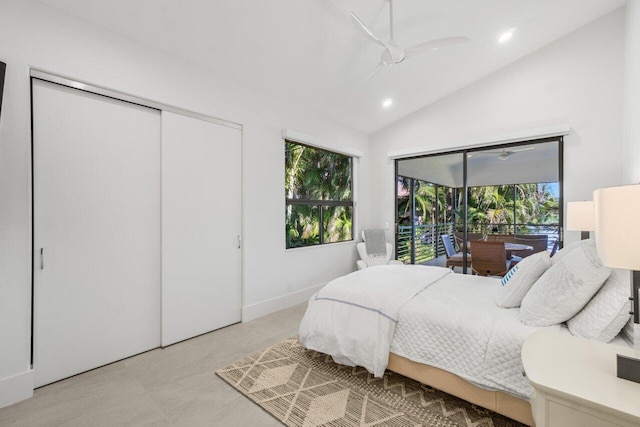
<point x="325" y="245"/>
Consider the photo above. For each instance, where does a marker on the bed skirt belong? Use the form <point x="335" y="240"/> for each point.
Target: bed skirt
<point x="502" y="403"/>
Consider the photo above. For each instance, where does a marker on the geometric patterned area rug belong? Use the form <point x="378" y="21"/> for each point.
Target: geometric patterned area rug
<point x="305" y="388"/>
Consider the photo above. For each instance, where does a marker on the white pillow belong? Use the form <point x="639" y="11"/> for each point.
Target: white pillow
<point x="565" y="288"/>
<point x="520" y="278"/>
<point x="607" y="312"/>
<point x="570" y="247"/>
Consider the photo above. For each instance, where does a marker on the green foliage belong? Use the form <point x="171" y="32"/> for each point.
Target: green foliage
<point x="313" y="174"/>
<point x="425" y="201"/>
<point x="490" y="209"/>
<point x="302" y="226"/>
<point x="337" y="224"/>
<point x="500" y="205"/>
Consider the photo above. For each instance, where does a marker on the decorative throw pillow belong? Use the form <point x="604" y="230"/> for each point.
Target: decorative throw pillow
<point x="607" y="312"/>
<point x="565" y="288"/>
<point x="520" y="278"/>
<point x="570" y="247"/>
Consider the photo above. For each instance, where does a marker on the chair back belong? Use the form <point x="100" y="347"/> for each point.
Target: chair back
<point x="539" y="244"/>
<point x="532" y="236"/>
<point x="370" y="259"/>
<point x="449" y="249"/>
<point x="457" y="235"/>
<point x="507" y="238"/>
<point x="488" y="258"/>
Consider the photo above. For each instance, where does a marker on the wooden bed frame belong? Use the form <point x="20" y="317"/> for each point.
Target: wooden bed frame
<point x="500" y="402"/>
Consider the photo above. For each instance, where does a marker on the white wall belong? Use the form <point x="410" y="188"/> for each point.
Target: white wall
<point x="576" y="80"/>
<point x="631" y="167"/>
<point x="32" y="35"/>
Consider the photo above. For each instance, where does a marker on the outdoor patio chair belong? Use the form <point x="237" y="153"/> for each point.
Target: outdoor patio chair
<point x="507" y="238"/>
<point x="454" y="259"/>
<point x="539" y="244"/>
<point x="489" y="258"/>
<point x="471" y="236"/>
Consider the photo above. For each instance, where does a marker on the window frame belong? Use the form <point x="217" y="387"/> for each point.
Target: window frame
<point x="320" y="204"/>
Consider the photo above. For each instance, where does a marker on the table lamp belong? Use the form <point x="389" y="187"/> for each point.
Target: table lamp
<point x="617" y="233"/>
<point x="580" y="218"/>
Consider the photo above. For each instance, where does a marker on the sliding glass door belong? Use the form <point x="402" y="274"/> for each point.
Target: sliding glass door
<point x="428" y="189"/>
<point x="500" y="192"/>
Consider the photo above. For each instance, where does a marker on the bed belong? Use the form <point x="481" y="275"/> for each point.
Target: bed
<point x="427" y="323"/>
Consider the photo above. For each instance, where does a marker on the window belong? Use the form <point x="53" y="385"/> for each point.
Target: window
<point x="318" y="191"/>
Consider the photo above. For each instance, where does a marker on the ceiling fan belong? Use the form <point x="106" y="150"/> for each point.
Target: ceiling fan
<point x="504" y="153"/>
<point x="393" y="54"/>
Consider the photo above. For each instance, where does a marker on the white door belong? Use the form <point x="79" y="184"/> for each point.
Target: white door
<point x="201" y="217"/>
<point x="97" y="222"/>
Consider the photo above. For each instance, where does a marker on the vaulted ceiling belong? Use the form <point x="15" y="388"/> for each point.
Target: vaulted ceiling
<point x="308" y="52"/>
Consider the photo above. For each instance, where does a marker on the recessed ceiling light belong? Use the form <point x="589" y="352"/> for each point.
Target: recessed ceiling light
<point x="387" y="103"/>
<point x="504" y="37"/>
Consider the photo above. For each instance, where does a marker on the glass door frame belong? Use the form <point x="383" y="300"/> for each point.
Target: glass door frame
<point x="465" y="188"/>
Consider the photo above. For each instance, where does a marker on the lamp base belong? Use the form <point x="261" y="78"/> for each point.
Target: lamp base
<point x="628" y="368"/>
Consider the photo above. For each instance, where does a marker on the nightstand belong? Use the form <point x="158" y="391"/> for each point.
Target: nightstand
<point x="575" y="383"/>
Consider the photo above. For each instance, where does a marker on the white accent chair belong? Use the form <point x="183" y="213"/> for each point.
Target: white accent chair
<point x="370" y="261"/>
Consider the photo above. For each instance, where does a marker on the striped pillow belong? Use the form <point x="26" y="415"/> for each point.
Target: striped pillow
<point x="509" y="275"/>
<point x="517" y="282"/>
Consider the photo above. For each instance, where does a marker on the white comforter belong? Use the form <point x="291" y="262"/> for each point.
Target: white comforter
<point x="353" y="318"/>
<point x="456" y="325"/>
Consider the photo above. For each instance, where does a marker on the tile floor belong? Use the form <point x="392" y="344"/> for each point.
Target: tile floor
<point x="175" y="386"/>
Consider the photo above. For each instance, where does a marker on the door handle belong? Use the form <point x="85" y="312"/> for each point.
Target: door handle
<point x="239" y="241"/>
<point x="41" y="258"/>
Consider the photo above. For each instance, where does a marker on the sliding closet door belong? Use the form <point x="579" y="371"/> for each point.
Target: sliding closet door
<point x="96" y="230"/>
<point x="201" y="214"/>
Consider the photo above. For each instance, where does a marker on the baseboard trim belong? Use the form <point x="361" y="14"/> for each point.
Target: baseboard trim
<point x="254" y="311"/>
<point x="16" y="388"/>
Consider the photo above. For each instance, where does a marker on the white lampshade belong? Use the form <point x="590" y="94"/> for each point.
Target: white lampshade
<point x="617" y="226"/>
<point x="580" y="216"/>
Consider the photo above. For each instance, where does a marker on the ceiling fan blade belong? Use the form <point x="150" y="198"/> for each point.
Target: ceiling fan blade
<point x="523" y="149"/>
<point x="362" y="27"/>
<point x="435" y="44"/>
<point x="491" y="152"/>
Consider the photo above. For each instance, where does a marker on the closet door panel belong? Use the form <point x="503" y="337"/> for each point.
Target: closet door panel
<point x="201" y="221"/>
<point x="97" y="222"/>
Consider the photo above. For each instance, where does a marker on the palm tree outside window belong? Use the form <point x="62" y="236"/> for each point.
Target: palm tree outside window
<point x="318" y="193"/>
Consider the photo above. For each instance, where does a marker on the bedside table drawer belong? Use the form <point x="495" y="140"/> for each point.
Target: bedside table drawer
<point x="570" y="415"/>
